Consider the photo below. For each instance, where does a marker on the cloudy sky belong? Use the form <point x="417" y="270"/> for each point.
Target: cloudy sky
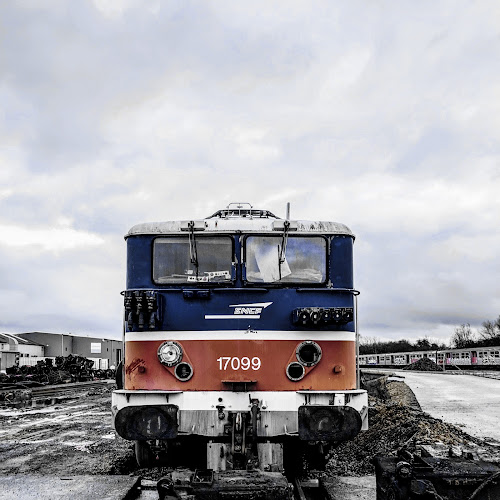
<point x="383" y="115"/>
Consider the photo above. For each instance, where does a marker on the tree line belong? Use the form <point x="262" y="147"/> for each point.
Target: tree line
<point x="464" y="336"/>
<point x="488" y="335"/>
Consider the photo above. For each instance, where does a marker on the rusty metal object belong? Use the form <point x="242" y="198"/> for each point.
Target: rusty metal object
<point x="489" y="489"/>
<point x="210" y="485"/>
<point x="409" y="476"/>
<point x="71" y="368"/>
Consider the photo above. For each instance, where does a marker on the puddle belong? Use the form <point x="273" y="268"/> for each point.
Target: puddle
<point x="34" y="411"/>
<point x="79" y="445"/>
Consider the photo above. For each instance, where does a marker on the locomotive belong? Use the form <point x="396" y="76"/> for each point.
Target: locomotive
<point x="240" y="335"/>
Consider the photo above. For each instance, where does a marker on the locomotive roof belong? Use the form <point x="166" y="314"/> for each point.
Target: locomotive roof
<point x="222" y="222"/>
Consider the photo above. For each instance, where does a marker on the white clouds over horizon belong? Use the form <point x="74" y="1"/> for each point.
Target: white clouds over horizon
<point x="53" y="239"/>
<point x="384" y="116"/>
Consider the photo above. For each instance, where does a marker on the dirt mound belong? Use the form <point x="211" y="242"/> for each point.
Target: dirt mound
<point x="393" y="424"/>
<point x="424" y="365"/>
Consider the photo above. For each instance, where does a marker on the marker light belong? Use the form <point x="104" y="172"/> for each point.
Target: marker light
<point x="303" y="317"/>
<point x="347" y="315"/>
<point x="326" y="315"/>
<point x="320" y="316"/>
<point x="170" y="353"/>
<point x="183" y="371"/>
<point x="295" y="371"/>
<point x="315" y="316"/>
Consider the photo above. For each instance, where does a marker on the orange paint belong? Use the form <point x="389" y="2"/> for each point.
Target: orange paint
<point x="274" y="357"/>
<point x="134" y="365"/>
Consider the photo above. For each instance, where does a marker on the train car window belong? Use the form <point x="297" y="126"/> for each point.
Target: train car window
<point x="303" y="260"/>
<point x="174" y="262"/>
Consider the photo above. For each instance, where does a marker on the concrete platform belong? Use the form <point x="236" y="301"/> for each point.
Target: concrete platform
<point x="34" y="487"/>
<point x="351" y="488"/>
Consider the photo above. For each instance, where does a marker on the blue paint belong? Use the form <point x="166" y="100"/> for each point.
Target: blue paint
<point x="183" y="310"/>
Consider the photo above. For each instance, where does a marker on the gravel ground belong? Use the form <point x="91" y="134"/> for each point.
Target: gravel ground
<point x="77" y="438"/>
<point x="71" y="438"/>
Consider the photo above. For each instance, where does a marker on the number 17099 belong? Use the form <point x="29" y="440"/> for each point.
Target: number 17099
<point x="235" y="363"/>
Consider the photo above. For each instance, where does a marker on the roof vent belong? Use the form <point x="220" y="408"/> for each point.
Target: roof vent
<point x="241" y="210"/>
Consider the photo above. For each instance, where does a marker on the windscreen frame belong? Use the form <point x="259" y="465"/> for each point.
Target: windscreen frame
<point x="199" y="238"/>
<point x="284" y="283"/>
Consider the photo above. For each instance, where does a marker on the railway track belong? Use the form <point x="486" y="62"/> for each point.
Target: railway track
<point x="49" y="394"/>
<point x="64" y="389"/>
<point x="299" y="490"/>
<point x="309" y="490"/>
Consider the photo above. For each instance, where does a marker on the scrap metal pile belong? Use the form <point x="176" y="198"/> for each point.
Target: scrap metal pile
<point x="64" y="370"/>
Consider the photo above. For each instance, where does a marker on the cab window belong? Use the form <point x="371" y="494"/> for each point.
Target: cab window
<point x="271" y="259"/>
<point x="204" y="259"/>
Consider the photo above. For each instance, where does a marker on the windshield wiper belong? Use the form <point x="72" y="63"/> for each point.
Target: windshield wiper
<point x="193" y="252"/>
<point x="282" y="249"/>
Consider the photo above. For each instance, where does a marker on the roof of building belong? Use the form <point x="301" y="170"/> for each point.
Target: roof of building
<point x="69" y="334"/>
<point x="12" y="338"/>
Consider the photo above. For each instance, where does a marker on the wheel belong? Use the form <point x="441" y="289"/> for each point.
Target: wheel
<point x="143" y="454"/>
<point x="119" y="375"/>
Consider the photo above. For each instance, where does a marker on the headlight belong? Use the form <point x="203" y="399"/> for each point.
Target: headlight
<point x="170" y="353"/>
<point x="308" y="353"/>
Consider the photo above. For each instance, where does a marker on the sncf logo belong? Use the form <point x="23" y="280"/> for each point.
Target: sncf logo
<point x="247" y="311"/>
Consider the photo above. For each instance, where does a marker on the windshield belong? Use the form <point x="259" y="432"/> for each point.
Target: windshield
<point x="304" y="259"/>
<point x="204" y="259"/>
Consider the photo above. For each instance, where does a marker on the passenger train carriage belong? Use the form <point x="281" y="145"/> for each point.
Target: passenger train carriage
<point x="471" y="357"/>
<point x="240" y="337"/>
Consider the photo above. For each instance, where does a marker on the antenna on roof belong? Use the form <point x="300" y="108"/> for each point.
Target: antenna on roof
<point x="288" y="211"/>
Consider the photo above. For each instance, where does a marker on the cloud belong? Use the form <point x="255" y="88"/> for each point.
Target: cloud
<point x="52" y="239"/>
<point x="386" y="119"/>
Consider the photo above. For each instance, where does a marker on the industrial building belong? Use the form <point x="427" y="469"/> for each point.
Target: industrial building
<point x="14" y="350"/>
<point x="30" y="347"/>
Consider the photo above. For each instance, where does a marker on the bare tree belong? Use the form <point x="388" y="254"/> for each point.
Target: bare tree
<point x="490" y="332"/>
<point x="463" y="336"/>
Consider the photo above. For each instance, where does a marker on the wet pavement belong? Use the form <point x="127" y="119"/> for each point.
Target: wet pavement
<point x="469" y="402"/>
<point x="36" y="487"/>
